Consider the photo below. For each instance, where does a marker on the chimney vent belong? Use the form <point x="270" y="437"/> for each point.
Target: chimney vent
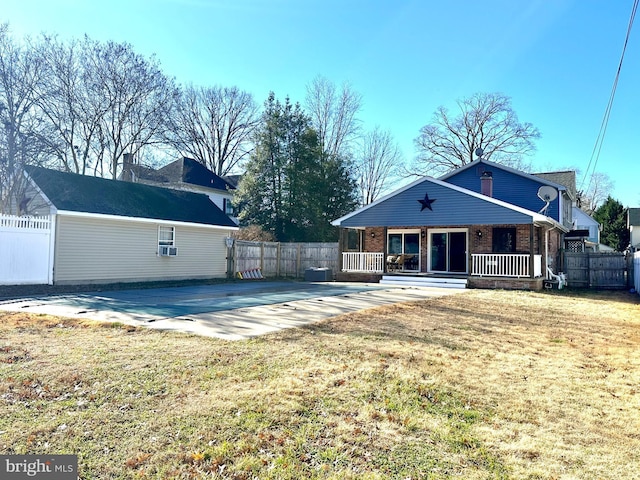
<point x="486" y="184"/>
<point x="127" y="167"/>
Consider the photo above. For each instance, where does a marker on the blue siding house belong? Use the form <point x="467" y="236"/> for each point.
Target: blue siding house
<point x="484" y="222"/>
<point x="515" y="187"/>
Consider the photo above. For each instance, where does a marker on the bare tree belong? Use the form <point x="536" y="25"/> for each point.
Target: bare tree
<point x="69" y="102"/>
<point x="333" y="115"/>
<point x="598" y="190"/>
<point x="214" y="125"/>
<point x="20" y="126"/>
<point x="484" y="120"/>
<point x="136" y="97"/>
<point x="377" y="158"/>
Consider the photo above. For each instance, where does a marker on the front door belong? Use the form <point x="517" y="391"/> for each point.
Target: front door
<point x="448" y="251"/>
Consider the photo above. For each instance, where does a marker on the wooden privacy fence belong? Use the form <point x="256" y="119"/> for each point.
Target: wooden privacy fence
<point x="276" y="259"/>
<point x="597" y="270"/>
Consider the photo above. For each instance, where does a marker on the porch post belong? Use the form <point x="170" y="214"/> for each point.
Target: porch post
<point x="531" y="252"/>
<point x="341" y="242"/>
<point x="384" y="250"/>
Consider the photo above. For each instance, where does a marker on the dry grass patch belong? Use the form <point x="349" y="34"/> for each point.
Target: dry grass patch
<point x="485" y="384"/>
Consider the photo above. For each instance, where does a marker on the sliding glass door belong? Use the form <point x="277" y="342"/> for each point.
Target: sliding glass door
<point x="448" y="251"/>
<point x="405" y="243"/>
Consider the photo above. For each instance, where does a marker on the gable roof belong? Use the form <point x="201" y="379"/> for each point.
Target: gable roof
<point x="188" y="170"/>
<point x="583" y="218"/>
<point x="233" y="179"/>
<point x="392" y="210"/>
<point x="633" y="217"/>
<point x="481" y="162"/>
<point x="566" y="178"/>
<point x="82" y="193"/>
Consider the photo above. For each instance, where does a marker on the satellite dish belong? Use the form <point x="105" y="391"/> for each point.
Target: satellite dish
<point x="547" y="194"/>
<point x="479" y="152"/>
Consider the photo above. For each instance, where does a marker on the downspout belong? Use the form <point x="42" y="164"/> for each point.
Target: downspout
<point x="531" y="250"/>
<point x="384" y="248"/>
<point x="561" y="279"/>
<point x="341" y="242"/>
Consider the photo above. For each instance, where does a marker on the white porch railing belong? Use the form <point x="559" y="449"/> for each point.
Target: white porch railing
<point x="505" y="265"/>
<point x="362" y="262"/>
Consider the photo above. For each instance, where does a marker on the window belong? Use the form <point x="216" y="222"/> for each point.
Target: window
<point x="504" y="240"/>
<point x="166" y="236"/>
<point x="229" y="208"/>
<point x="353" y="240"/>
<point x="167" y="242"/>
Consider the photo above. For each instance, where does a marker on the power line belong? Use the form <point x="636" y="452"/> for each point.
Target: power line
<point x="595" y="154"/>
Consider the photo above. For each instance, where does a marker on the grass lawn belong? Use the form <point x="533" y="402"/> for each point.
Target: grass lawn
<point x="485" y="384"/>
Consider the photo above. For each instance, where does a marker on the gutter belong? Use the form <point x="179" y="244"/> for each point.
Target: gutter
<point x="155" y="221"/>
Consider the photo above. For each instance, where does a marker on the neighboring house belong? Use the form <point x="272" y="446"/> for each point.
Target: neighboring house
<point x="113" y="231"/>
<point x="633" y="224"/>
<point x="585" y="235"/>
<point x="484" y="222"/>
<point x="233" y="180"/>
<point x="185" y="174"/>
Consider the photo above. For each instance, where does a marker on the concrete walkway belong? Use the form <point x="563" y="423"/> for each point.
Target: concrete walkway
<point x="231" y="311"/>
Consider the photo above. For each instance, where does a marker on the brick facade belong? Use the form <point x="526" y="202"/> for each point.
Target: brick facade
<point x="483" y="243"/>
<point x="480" y="241"/>
<point x="505" y="283"/>
<point x="375" y="239"/>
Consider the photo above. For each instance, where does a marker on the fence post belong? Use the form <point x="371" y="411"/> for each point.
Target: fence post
<point x="230" y="255"/>
<point x="52" y="249"/>
<point x="278" y="258"/>
<point x="262" y="256"/>
<point x="298" y="260"/>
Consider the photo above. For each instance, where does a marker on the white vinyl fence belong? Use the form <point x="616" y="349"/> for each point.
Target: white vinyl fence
<point x="26" y="250"/>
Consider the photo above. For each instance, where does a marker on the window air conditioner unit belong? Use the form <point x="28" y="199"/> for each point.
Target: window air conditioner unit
<point x="167" y="251"/>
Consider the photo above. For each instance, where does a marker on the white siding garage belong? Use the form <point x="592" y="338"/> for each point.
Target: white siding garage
<point x="106" y="250"/>
<point x="109" y="231"/>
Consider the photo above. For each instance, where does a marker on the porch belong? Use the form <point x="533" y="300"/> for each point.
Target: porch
<point x="505" y="265"/>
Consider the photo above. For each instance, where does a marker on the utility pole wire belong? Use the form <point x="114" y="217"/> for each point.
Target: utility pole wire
<point x="595" y="154"/>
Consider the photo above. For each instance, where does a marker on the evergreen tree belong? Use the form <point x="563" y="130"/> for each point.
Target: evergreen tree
<point x="288" y="189"/>
<point x="613" y="221"/>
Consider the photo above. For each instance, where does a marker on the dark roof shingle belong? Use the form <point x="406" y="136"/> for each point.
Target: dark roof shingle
<point x="188" y="170"/>
<point x="565" y="178"/>
<point x="83" y="193"/>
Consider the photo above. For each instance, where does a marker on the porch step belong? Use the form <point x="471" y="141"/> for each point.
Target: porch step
<point x="423" y="281"/>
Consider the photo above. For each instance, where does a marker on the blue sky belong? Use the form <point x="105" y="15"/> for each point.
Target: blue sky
<point x="556" y="59"/>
